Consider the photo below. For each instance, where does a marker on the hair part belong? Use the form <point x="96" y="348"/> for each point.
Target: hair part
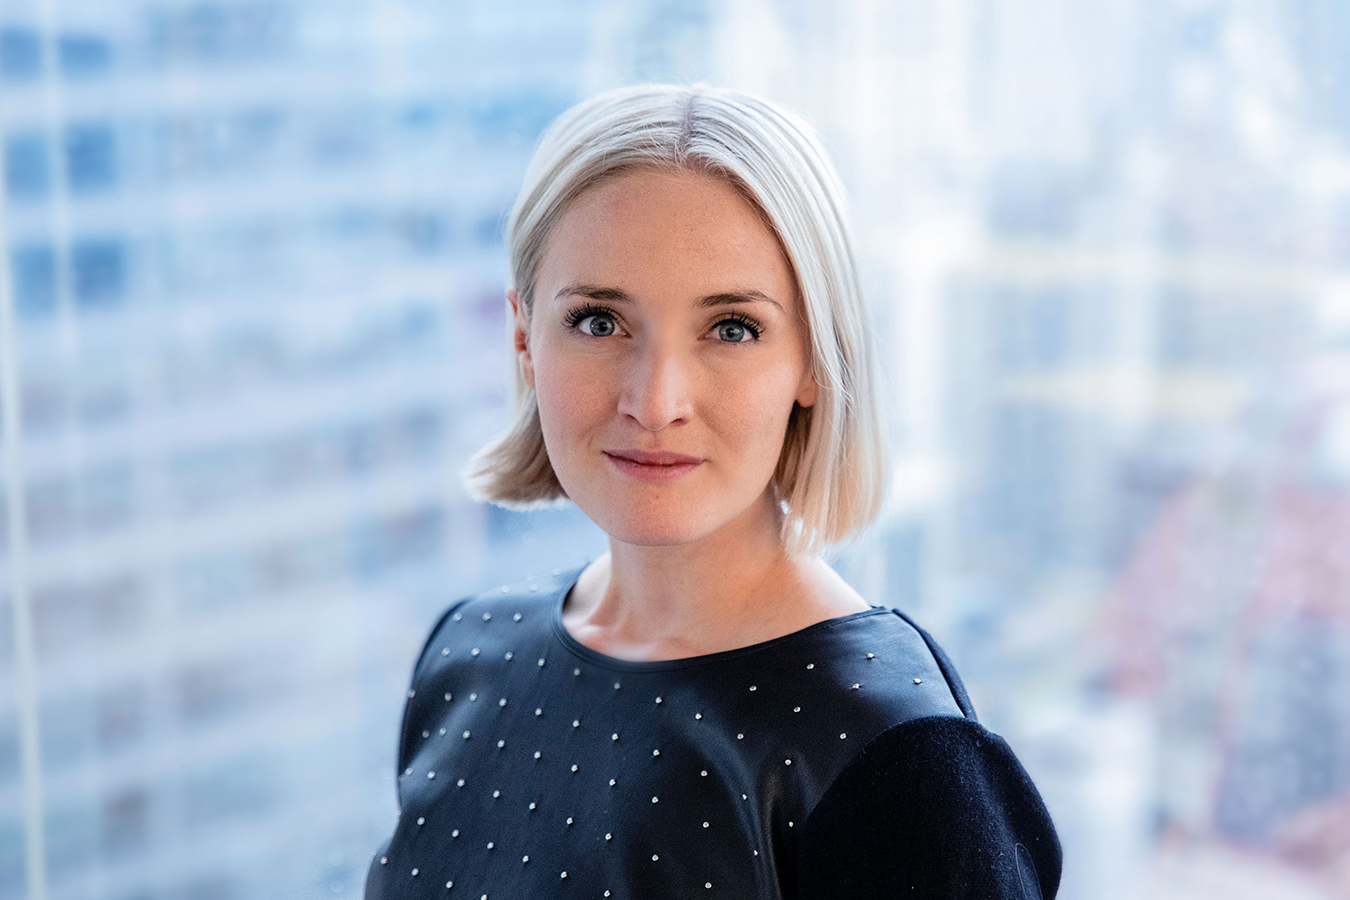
<point x="832" y="471"/>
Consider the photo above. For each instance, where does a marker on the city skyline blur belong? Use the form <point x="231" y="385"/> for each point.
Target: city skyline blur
<point x="254" y="327"/>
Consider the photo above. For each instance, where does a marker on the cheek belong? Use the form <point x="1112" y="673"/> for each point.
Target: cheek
<point x="753" y="410"/>
<point x="571" y="398"/>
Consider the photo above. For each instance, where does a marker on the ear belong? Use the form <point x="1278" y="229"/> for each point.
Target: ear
<point x="520" y="336"/>
<point x="806" y="393"/>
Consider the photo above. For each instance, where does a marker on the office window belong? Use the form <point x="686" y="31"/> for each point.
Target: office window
<point x="84" y="55"/>
<point x="256" y="257"/>
<point x="98" y="272"/>
<point x="26" y="175"/>
<point x="20" y="53"/>
<point x="91" y="162"/>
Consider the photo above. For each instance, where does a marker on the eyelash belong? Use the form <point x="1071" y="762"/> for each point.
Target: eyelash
<point x="745" y="322"/>
<point x="575" y="316"/>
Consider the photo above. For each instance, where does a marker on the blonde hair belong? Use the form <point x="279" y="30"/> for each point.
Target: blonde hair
<point x="832" y="471"/>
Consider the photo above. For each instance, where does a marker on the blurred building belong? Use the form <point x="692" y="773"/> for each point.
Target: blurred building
<point x="256" y="266"/>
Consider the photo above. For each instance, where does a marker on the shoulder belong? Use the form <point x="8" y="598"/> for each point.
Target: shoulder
<point x="935" y="807"/>
<point x="478" y="637"/>
<point x="819" y="696"/>
<point x="526" y="605"/>
<point x="882" y="666"/>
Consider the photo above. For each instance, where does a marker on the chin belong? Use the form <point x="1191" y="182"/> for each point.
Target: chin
<point x="642" y="532"/>
<point x="652" y="528"/>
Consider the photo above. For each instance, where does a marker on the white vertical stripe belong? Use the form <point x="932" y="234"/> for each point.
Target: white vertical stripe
<point x="25" y="663"/>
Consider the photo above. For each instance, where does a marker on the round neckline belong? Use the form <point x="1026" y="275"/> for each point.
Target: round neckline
<point x="595" y="657"/>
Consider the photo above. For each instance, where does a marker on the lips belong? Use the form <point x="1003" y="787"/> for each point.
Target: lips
<point x="660" y="458"/>
<point x="653" y="468"/>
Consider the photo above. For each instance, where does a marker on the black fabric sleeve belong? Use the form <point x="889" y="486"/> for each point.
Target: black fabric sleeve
<point x="374" y="884"/>
<point x="374" y="889"/>
<point x="936" y="808"/>
<point x="405" y="732"/>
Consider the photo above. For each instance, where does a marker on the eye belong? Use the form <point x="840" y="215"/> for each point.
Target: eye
<point x="736" y="331"/>
<point x="597" y="325"/>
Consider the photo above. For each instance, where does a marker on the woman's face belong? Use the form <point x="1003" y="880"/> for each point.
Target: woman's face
<point x="667" y="349"/>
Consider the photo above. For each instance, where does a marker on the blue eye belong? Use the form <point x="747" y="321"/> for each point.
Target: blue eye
<point x="736" y="331"/>
<point x="597" y="325"/>
<point x="732" y="332"/>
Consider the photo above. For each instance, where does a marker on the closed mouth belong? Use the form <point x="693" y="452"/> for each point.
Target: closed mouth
<point x="658" y="458"/>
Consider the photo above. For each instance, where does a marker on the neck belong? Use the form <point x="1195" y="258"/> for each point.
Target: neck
<point x="734" y="587"/>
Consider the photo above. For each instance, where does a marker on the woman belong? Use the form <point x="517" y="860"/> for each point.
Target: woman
<point x="708" y="709"/>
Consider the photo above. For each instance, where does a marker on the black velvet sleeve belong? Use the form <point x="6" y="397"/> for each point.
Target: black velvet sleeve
<point x="936" y="808"/>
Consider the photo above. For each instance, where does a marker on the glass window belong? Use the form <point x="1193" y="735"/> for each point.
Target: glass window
<point x="257" y="271"/>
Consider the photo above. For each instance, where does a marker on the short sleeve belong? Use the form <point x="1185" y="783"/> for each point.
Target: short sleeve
<point x="935" y="808"/>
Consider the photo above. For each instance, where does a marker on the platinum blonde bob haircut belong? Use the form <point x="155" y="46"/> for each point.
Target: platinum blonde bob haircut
<point x="832" y="472"/>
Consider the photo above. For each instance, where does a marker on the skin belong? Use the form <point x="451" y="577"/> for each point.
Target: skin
<point x="666" y="318"/>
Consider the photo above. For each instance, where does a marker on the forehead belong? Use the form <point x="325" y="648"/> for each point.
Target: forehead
<point x="666" y="232"/>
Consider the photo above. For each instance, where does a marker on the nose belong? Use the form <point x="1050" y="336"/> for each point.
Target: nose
<point x="657" y="389"/>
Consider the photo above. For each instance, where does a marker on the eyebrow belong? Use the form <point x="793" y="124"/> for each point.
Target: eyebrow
<point x="615" y="295"/>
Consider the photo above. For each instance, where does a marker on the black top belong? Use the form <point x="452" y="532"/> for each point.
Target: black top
<point x="843" y="760"/>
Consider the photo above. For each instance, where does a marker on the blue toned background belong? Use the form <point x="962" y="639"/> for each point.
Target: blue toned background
<point x="253" y="327"/>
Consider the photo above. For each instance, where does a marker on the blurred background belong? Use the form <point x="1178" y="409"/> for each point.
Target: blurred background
<point x="252" y="327"/>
